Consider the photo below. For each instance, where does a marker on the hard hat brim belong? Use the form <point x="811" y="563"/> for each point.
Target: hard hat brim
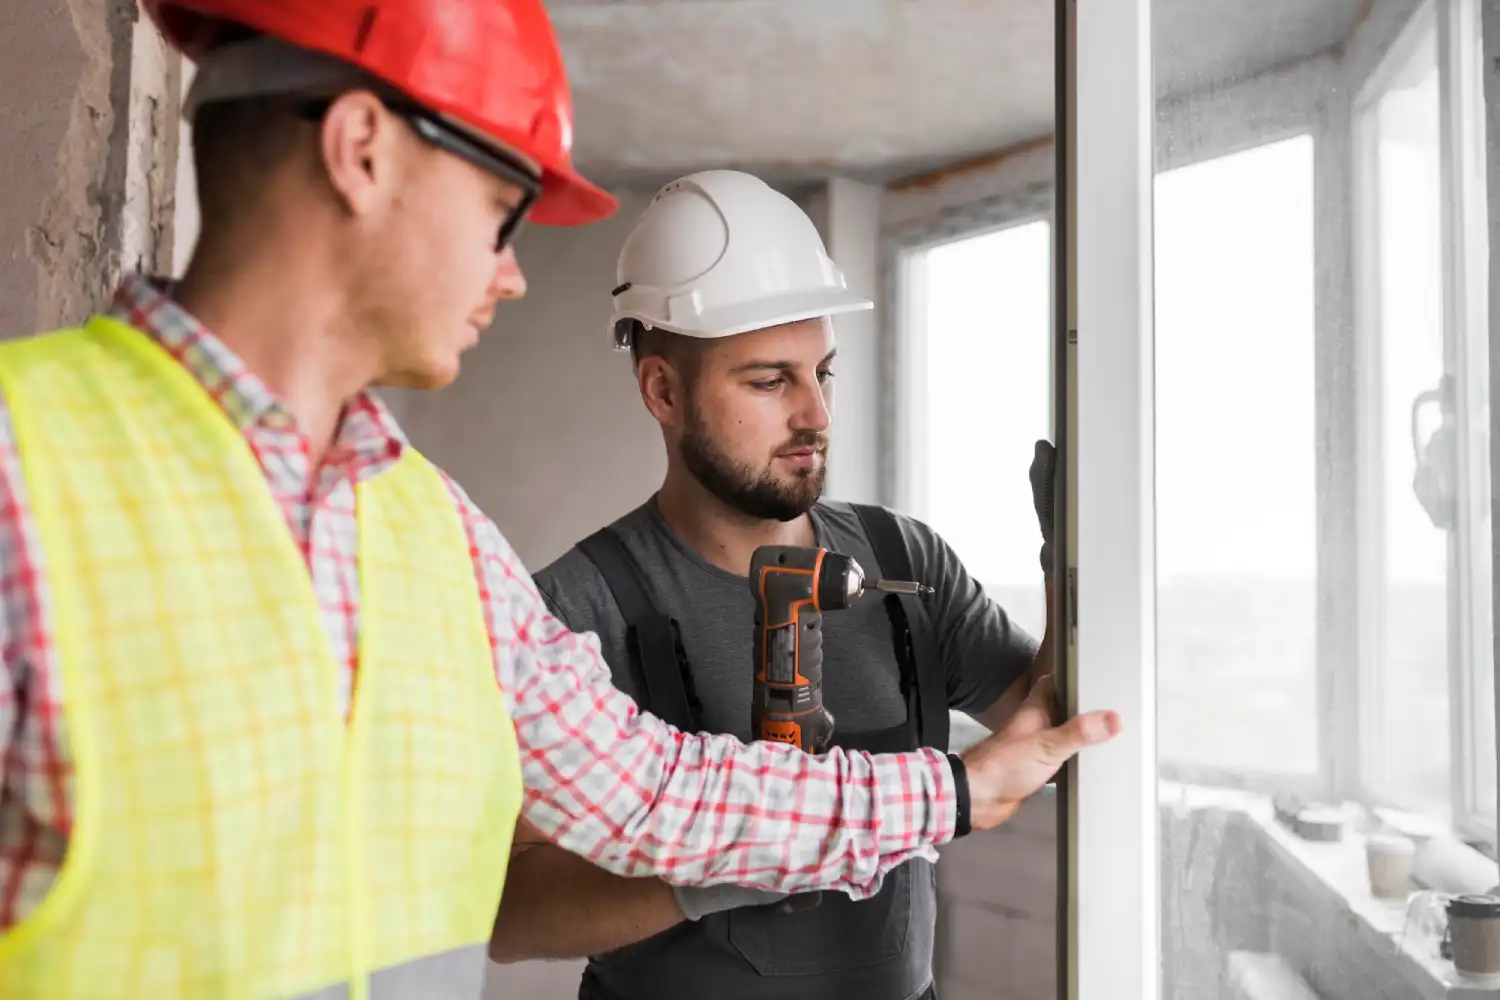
<point x="567" y="199"/>
<point x="777" y="310"/>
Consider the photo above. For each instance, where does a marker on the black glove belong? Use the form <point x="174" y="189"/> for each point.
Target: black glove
<point x="1043" y="475"/>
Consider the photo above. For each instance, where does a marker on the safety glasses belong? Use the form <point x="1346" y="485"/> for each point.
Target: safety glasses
<point x="452" y="139"/>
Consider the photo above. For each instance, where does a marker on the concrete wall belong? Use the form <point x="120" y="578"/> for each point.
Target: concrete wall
<point x="86" y="147"/>
<point x="544" y="427"/>
<point x="42" y="65"/>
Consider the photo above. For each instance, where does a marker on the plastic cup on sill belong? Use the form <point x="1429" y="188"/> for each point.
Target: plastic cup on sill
<point x="1388" y="859"/>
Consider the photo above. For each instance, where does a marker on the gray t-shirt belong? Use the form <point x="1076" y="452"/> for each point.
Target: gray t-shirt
<point x="983" y="651"/>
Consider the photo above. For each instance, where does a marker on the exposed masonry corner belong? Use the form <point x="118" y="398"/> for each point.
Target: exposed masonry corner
<point x="108" y="207"/>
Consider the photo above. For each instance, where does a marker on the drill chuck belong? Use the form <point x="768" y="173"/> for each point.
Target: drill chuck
<point x="840" y="583"/>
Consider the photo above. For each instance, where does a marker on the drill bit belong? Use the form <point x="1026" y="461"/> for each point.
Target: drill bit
<point x="903" y="587"/>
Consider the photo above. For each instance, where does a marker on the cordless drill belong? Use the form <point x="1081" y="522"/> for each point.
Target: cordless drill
<point x="793" y="585"/>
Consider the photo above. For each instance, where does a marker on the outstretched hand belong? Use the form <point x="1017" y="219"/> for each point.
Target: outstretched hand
<point x="1010" y="766"/>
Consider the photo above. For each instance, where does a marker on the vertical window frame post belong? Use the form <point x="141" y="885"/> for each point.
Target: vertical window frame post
<point x="1111" y="901"/>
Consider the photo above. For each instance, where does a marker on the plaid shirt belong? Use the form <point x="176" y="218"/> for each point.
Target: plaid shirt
<point x="602" y="780"/>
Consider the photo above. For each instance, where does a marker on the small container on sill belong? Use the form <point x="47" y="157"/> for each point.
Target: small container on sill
<point x="1472" y="941"/>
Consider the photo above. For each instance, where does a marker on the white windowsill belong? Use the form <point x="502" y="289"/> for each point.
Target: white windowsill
<point x="1338" y="870"/>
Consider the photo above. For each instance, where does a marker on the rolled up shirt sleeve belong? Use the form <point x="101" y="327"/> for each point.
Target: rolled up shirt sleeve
<point x="638" y="797"/>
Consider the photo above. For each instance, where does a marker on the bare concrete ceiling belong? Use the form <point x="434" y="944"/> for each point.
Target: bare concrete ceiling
<point x="877" y="89"/>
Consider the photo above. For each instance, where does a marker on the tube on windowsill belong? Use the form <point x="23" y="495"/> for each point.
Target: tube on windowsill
<point x="1446" y="865"/>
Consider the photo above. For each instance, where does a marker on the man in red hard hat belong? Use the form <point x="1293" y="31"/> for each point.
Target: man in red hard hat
<point x="273" y="692"/>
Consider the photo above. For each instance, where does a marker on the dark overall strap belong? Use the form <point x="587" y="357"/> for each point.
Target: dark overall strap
<point x="652" y="636"/>
<point x="909" y="617"/>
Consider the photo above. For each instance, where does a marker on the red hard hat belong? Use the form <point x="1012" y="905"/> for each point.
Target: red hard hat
<point x="493" y="65"/>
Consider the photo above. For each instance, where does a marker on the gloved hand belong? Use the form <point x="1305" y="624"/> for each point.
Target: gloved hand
<point x="1043" y="476"/>
<point x="698" y="901"/>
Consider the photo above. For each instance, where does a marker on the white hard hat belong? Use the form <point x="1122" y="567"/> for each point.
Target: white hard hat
<point x="721" y="252"/>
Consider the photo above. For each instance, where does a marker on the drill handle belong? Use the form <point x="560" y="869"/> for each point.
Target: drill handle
<point x="784" y="577"/>
<point x="788" y="690"/>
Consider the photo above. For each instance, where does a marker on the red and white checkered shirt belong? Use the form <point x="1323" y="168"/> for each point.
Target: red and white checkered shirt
<point x="602" y="780"/>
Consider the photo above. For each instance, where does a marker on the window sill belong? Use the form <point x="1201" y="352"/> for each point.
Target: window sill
<point x="1333" y="872"/>
<point x="1336" y="871"/>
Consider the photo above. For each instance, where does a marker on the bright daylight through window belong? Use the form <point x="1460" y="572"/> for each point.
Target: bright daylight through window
<point x="980" y="382"/>
<point x="1236" y="508"/>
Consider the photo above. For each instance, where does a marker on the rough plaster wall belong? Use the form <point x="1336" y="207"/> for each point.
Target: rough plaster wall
<point x="87" y="145"/>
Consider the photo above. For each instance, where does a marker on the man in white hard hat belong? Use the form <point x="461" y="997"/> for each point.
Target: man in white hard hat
<point x="725" y="299"/>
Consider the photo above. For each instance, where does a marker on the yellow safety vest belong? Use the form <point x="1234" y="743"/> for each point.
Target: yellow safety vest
<point x="234" y="837"/>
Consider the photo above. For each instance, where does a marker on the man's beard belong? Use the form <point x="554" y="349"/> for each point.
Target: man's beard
<point x="760" y="495"/>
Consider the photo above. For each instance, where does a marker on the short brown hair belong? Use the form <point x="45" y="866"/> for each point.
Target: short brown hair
<point x="683" y="353"/>
<point x="237" y="145"/>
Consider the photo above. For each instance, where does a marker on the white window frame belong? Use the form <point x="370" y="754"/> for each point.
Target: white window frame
<point x="1466" y="242"/>
<point x="1369" y="339"/>
<point x="1455" y="24"/>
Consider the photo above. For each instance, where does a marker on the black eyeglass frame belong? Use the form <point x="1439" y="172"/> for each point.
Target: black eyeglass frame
<point x="451" y="139"/>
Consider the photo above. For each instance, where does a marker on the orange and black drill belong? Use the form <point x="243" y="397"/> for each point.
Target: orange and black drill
<point x="793" y="585"/>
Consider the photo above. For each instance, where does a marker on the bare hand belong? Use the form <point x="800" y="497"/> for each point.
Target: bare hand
<point x="1009" y="767"/>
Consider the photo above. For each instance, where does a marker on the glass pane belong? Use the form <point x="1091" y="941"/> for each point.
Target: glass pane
<point x="1408" y="659"/>
<point x="986" y="328"/>
<point x="1308" y="585"/>
<point x="1236" y="510"/>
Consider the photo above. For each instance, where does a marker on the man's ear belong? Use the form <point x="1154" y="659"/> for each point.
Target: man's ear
<point x="360" y="143"/>
<point x="661" y="389"/>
